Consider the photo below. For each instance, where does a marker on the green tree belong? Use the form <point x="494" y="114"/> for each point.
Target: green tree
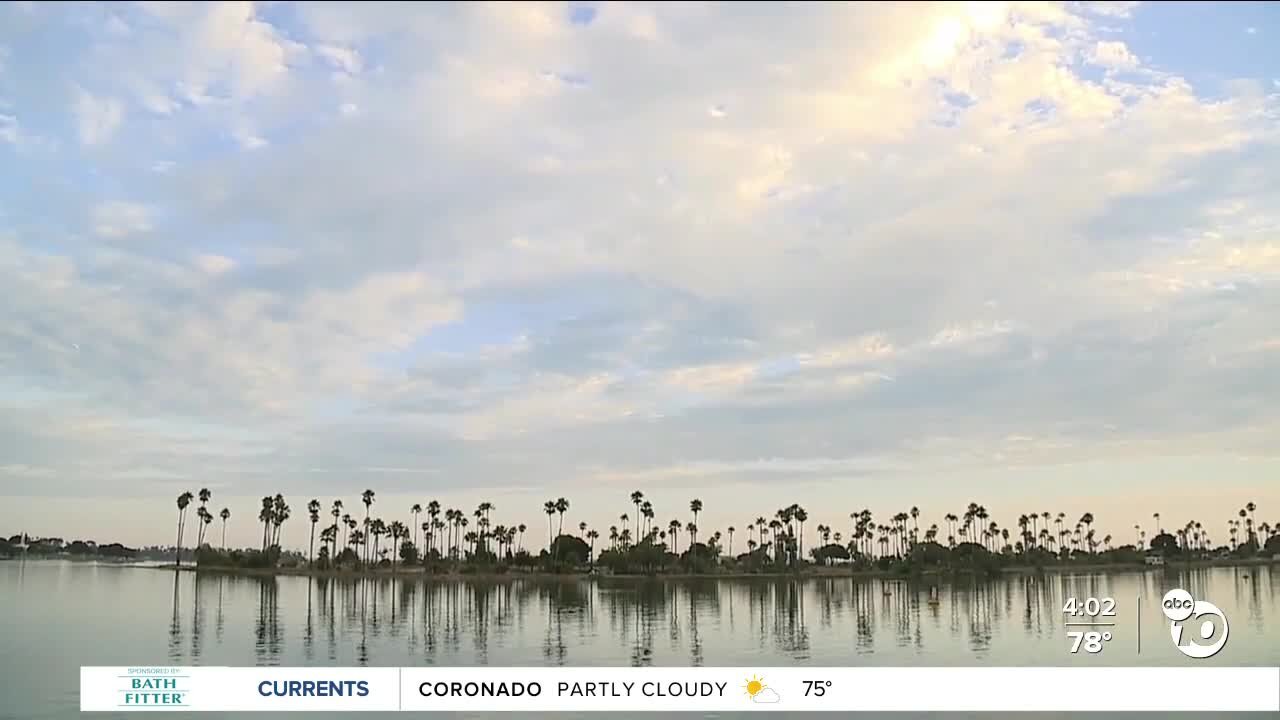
<point x="549" y="507"/>
<point x="562" y="506"/>
<point x="313" y="512"/>
<point x="225" y="515"/>
<point x="183" y="501"/>
<point x="367" y="497"/>
<point x="637" y="497"/>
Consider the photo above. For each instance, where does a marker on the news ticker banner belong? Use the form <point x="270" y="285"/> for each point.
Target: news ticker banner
<point x="684" y="689"/>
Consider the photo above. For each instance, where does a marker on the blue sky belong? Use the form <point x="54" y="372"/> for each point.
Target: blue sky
<point x="843" y="255"/>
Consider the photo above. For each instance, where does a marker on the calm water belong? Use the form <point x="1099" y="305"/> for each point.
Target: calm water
<point x="58" y="616"/>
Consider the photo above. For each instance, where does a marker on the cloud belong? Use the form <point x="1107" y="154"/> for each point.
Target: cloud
<point x="119" y="219"/>
<point x="766" y="695"/>
<point x="852" y="247"/>
<point x="97" y="118"/>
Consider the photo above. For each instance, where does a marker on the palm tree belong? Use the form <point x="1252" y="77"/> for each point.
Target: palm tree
<point x="637" y="497"/>
<point x="264" y="517"/>
<point x="279" y="513"/>
<point x="695" y="507"/>
<point x="626" y="532"/>
<point x="800" y="515"/>
<point x="204" y="496"/>
<point x="692" y="529"/>
<point x="1087" y="519"/>
<point x="1159" y="529"/>
<point x="730" y="541"/>
<point x="313" y="511"/>
<point x="416" y="510"/>
<point x="674" y="528"/>
<point x="398" y="530"/>
<point x="562" y="506"/>
<point x="521" y="527"/>
<point x="582" y="529"/>
<point x="549" y="507"/>
<point x="225" y="515"/>
<point x="367" y="498"/>
<point x="183" y="501"/>
<point x="646" y="514"/>
<point x="433" y="511"/>
<point x="592" y="535"/>
<point x="335" y="512"/>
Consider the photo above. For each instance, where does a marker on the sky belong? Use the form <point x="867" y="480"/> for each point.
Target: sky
<point x="846" y="256"/>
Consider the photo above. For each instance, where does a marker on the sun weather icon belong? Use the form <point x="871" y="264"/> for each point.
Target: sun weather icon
<point x="759" y="692"/>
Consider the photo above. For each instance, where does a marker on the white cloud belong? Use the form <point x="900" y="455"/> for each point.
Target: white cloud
<point x="853" y="242"/>
<point x="120" y="219"/>
<point x="97" y="118"/>
<point x="215" y="264"/>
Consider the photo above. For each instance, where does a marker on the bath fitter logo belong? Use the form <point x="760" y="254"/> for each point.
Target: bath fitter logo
<point x="1199" y="628"/>
<point x="154" y="687"/>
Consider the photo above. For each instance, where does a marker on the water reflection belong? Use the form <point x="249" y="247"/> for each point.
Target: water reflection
<point x="389" y="621"/>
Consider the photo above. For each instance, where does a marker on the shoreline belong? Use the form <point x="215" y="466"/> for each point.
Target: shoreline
<point x="809" y="573"/>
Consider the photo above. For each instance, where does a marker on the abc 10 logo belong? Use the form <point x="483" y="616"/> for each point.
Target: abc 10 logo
<point x="1199" y="628"/>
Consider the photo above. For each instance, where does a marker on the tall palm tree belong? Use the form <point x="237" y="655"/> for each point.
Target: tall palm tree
<point x="674" y="534"/>
<point x="183" y="501"/>
<point x="592" y="535"/>
<point x="730" y="541"/>
<point x="313" y="514"/>
<point x="367" y="497"/>
<point x="416" y="510"/>
<point x="1087" y="519"/>
<point x="622" y="520"/>
<point x="637" y="497"/>
<point x="204" y="496"/>
<point x="800" y="515"/>
<point x="695" y="507"/>
<point x="398" y="530"/>
<point x="521" y="527"/>
<point x="279" y="513"/>
<point x="646" y="514"/>
<point x="1159" y="529"/>
<point x="264" y="517"/>
<point x="562" y="506"/>
<point x="582" y="529"/>
<point x="335" y="512"/>
<point x="433" y="511"/>
<point x="549" y="507"/>
<point x="225" y="515"/>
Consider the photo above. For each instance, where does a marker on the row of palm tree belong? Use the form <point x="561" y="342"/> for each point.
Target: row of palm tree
<point x="444" y="533"/>
<point x="203" y="515"/>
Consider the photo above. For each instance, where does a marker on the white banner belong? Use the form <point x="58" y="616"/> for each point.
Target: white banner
<point x="702" y="689"/>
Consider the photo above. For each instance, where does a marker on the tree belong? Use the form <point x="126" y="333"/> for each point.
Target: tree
<point x="225" y="515"/>
<point x="549" y="507"/>
<point x="695" y="507"/>
<point x="367" y="498"/>
<point x="204" y="496"/>
<point x="521" y="527"/>
<point x="637" y="497"/>
<point x="592" y="535"/>
<point x="800" y="515"/>
<point x="562" y="506"/>
<point x="730" y="541"/>
<point x="416" y="510"/>
<point x="398" y="530"/>
<point x="183" y="501"/>
<point x="335" y="512"/>
<point x="313" y="512"/>
<point x="279" y="513"/>
<point x="264" y="517"/>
